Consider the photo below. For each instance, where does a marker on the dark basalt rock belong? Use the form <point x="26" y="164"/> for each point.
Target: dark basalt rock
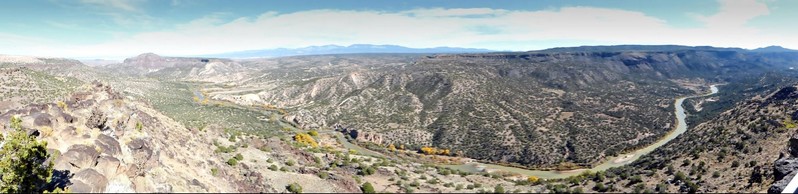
<point x="108" y="144"/>
<point x="88" y="181"/>
<point x="43" y="119"/>
<point x="143" y="155"/>
<point x="68" y="118"/>
<point x="78" y="156"/>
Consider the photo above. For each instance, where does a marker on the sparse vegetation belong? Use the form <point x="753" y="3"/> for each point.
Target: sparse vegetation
<point x="294" y="188"/>
<point x="367" y="188"/>
<point x="232" y="162"/>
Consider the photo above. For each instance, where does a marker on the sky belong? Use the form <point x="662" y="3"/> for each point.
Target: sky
<point x="116" y="29"/>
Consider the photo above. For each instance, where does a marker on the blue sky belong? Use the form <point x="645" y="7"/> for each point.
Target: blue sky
<point x="121" y="28"/>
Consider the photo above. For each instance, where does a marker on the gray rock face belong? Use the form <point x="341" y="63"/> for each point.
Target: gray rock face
<point x="143" y="157"/>
<point x="88" y="181"/>
<point x="67" y="118"/>
<point x="78" y="156"/>
<point x="108" y="144"/>
<point x="786" y="167"/>
<point x="108" y="166"/>
<point x="43" y="119"/>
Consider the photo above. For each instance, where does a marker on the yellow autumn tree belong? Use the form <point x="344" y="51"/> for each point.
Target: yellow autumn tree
<point x="305" y="139"/>
<point x="533" y="179"/>
<point x="392" y="148"/>
<point x="428" y="150"/>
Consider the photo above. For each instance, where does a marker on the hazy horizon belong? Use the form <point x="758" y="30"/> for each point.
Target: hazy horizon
<point x="122" y="28"/>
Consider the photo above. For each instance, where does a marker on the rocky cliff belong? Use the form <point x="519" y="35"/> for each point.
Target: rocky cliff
<point x="181" y="68"/>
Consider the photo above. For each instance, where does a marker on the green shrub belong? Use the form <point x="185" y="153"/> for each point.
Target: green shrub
<point x="290" y="162"/>
<point x="367" y="171"/>
<point x="498" y="189"/>
<point x="273" y="167"/>
<point x="22" y="162"/>
<point x="232" y="162"/>
<point x="239" y="157"/>
<point x="323" y="174"/>
<point x="294" y="188"/>
<point x="367" y="188"/>
<point x="214" y="171"/>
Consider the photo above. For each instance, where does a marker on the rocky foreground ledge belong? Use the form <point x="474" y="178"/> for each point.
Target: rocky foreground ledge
<point x="102" y="142"/>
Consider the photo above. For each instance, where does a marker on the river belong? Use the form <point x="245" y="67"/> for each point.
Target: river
<point x="681" y="127"/>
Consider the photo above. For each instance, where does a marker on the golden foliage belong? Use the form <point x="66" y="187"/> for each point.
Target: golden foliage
<point x="533" y="179"/>
<point x="788" y="123"/>
<point x="306" y="139"/>
<point x="392" y="148"/>
<point x="434" y="151"/>
<point x="62" y="105"/>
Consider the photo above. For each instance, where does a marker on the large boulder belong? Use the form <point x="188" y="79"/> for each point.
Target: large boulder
<point x="108" y="166"/>
<point x="43" y="119"/>
<point x="79" y="157"/>
<point x="108" y="145"/>
<point x="67" y="118"/>
<point x="143" y="157"/>
<point x="88" y="181"/>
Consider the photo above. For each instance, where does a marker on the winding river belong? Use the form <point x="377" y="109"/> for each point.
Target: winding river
<point x="681" y="127"/>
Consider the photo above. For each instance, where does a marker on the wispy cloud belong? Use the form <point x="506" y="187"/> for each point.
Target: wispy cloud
<point x="735" y="13"/>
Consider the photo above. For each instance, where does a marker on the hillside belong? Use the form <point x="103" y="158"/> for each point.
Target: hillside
<point x="534" y="109"/>
<point x="22" y="86"/>
<point x="103" y="141"/>
<point x="733" y="152"/>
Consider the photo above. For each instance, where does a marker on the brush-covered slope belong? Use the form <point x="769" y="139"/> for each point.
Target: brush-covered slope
<point x="733" y="152"/>
<point x="537" y="109"/>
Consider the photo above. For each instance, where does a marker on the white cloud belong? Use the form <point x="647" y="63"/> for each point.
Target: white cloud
<point x="440" y="27"/>
<point x="735" y="13"/>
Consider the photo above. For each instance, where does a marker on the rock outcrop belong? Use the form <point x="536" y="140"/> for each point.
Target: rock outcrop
<point x="103" y="151"/>
<point x="786" y="167"/>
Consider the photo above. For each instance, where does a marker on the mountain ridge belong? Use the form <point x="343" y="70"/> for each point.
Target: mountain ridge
<point x="336" y="49"/>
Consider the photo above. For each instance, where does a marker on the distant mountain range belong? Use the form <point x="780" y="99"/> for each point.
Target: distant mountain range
<point x="336" y="49"/>
<point x="617" y="48"/>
